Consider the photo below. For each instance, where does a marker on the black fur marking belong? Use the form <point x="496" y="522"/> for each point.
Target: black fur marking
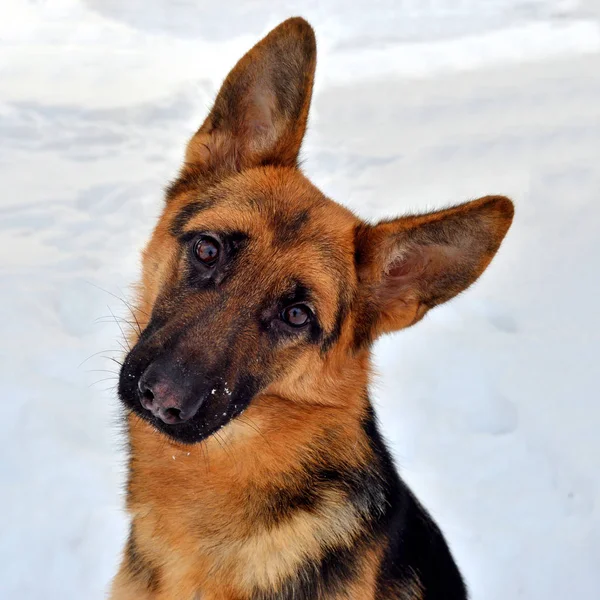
<point x="343" y="309"/>
<point x="139" y="567"/>
<point x="301" y="490"/>
<point x="317" y="579"/>
<point x="363" y="326"/>
<point x="284" y="500"/>
<point x="288" y="229"/>
<point x="181" y="219"/>
<point x="414" y="543"/>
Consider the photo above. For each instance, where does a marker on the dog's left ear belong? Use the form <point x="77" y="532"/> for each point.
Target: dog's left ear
<point x="411" y="264"/>
<point x="259" y="116"/>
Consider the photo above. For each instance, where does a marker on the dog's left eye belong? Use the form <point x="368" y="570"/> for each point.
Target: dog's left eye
<point x="207" y="250"/>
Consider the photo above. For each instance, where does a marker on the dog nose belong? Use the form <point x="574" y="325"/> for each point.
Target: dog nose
<point x="165" y="399"/>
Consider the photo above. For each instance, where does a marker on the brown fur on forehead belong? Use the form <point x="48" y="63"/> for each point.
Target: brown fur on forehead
<point x="295" y="232"/>
<point x="282" y="196"/>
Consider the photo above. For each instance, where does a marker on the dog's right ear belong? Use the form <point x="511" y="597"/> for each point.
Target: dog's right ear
<point x="259" y="116"/>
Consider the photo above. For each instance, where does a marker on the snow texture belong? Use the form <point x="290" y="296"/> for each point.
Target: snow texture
<point x="491" y="404"/>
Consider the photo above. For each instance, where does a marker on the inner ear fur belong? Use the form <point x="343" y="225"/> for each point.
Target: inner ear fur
<point x="260" y="113"/>
<point x="408" y="265"/>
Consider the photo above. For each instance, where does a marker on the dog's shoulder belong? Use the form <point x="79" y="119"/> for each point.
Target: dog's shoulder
<point x="417" y="563"/>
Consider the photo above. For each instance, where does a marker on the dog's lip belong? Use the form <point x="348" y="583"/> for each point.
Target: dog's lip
<point x="180" y="432"/>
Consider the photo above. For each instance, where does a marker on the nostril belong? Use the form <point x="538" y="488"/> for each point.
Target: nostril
<point x="175" y="413"/>
<point x="146" y="395"/>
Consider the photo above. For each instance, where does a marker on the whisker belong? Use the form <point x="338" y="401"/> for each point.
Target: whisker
<point x="117" y="320"/>
<point x="251" y="425"/>
<point x="113" y="359"/>
<point x="119" y="326"/>
<point x="101" y="380"/>
<point x="133" y="312"/>
<point x="95" y="354"/>
<point x="204" y="450"/>
<point x="122" y="346"/>
<point x="231" y="453"/>
<point x="110" y="319"/>
<point x="223" y="445"/>
<point x="115" y="296"/>
<point x="218" y="441"/>
<point x="247" y="421"/>
<point x="112" y="388"/>
<point x="127" y="304"/>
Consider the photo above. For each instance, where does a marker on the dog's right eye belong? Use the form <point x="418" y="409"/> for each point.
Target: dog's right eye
<point x="207" y="250"/>
<point x="297" y="315"/>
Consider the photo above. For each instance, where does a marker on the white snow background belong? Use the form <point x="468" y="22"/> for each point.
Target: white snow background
<point x="491" y="404"/>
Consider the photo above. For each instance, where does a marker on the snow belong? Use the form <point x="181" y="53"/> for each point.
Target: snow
<point x="490" y="404"/>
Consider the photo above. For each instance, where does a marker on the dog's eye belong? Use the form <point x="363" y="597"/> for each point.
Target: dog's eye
<point x="207" y="250"/>
<point x="297" y="315"/>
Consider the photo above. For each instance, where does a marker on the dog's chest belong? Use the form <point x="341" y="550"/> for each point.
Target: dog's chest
<point x="203" y="550"/>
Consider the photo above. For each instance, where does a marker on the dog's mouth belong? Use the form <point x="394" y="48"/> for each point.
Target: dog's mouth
<point x="189" y="411"/>
<point x="198" y="428"/>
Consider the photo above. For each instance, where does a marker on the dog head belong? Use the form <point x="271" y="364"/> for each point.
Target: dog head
<point x="256" y="285"/>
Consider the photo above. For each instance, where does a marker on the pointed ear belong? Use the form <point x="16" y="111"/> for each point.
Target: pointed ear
<point x="259" y="116"/>
<point x="409" y="265"/>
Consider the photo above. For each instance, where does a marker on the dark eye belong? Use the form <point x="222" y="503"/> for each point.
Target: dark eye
<point x="206" y="250"/>
<point x="297" y="315"/>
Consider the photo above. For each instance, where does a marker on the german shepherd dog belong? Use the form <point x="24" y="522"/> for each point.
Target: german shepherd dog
<point x="257" y="470"/>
